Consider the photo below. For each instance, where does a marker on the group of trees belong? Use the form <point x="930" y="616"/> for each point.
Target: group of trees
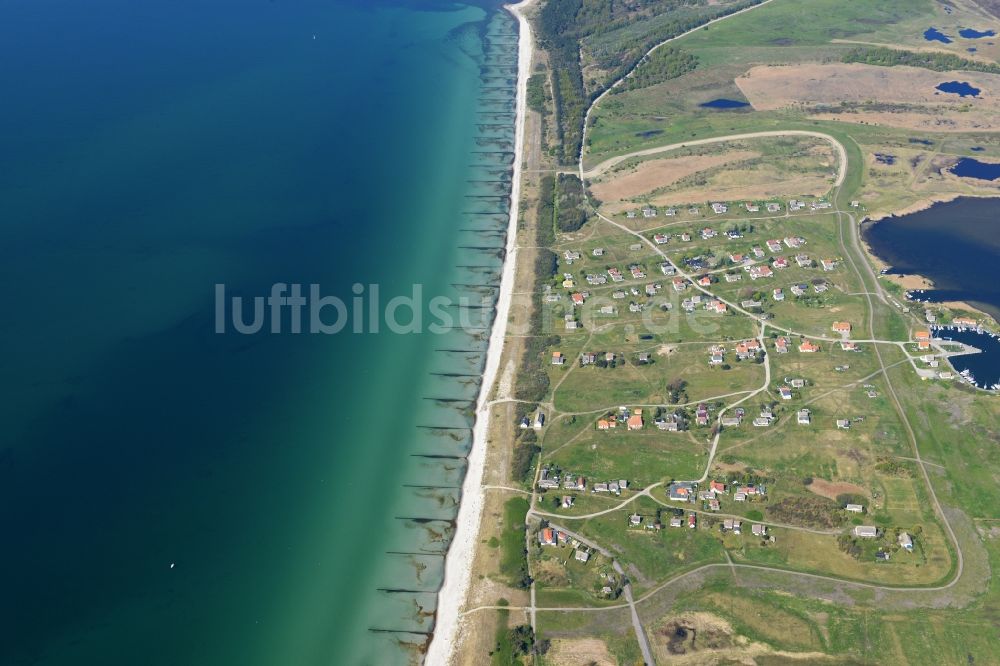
<point x="571" y="210"/>
<point x="933" y="60"/>
<point x="664" y="64"/>
<point x="563" y="25"/>
<point x="808" y="511"/>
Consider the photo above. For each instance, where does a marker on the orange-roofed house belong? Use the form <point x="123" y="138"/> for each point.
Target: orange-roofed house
<point x="548" y="537"/>
<point x="717" y="486"/>
<point x="923" y="345"/>
<point x="841" y="327"/>
<point x="808" y="348"/>
<point x="922" y="335"/>
<point x="603" y="424"/>
<point x="635" y="422"/>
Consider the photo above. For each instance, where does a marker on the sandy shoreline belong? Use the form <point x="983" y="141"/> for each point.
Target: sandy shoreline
<point x="458" y="562"/>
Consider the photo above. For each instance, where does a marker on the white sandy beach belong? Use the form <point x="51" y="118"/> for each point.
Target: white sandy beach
<point x="458" y="563"/>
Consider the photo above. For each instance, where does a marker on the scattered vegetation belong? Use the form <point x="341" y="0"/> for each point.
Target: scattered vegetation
<point x="564" y="24"/>
<point x="513" y="551"/>
<point x="932" y="60"/>
<point x="537" y="96"/>
<point x="570" y="211"/>
<point x="806" y="511"/>
<point x="664" y="64"/>
<point x="524" y="455"/>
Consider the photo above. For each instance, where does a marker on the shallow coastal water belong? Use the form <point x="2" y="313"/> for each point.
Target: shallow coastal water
<point x="956" y="245"/>
<point x="175" y="496"/>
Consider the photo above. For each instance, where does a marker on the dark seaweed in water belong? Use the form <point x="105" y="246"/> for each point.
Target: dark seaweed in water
<point x="935" y="35"/>
<point x="648" y="133"/>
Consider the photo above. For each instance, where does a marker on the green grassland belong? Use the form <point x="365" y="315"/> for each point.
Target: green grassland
<point x="810" y="471"/>
<point x="792" y="32"/>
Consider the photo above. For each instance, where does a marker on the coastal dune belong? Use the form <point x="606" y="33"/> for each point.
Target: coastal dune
<point x="458" y="563"/>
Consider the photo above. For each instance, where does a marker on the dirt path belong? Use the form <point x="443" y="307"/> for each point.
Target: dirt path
<point x="614" y="161"/>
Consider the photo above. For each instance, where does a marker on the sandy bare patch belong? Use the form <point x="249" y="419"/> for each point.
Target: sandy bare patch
<point x="666" y="350"/>
<point x="912" y="281"/>
<point x="760" y="184"/>
<point x="831" y="490"/>
<point x="815" y="86"/>
<point x="652" y="174"/>
<point x="566" y="652"/>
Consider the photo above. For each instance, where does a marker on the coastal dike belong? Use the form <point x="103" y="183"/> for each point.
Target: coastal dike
<point x="471" y="567"/>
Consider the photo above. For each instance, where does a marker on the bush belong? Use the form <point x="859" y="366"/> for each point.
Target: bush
<point x="808" y="511"/>
<point x="570" y="205"/>
<point x="513" y="553"/>
<point x="935" y="61"/>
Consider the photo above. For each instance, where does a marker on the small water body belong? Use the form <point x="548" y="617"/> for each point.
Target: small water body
<point x="723" y="103"/>
<point x="985" y="366"/>
<point x="977" y="149"/>
<point x="960" y="88"/>
<point x="970" y="33"/>
<point x="972" y="49"/>
<point x="935" y="35"/>
<point x="971" y="168"/>
<point x="956" y="245"/>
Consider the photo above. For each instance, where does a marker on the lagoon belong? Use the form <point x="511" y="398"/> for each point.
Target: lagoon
<point x="956" y="245"/>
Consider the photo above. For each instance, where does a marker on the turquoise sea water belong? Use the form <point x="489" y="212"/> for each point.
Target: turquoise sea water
<point x="301" y="485"/>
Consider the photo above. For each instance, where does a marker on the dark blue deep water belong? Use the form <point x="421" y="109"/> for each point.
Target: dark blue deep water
<point x="960" y="88"/>
<point x="956" y="245"/>
<point x="985" y="366"/>
<point x="970" y="168"/>
<point x="722" y="103"/>
<point x="970" y="33"/>
<point x="935" y="35"/>
<point x="152" y="149"/>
